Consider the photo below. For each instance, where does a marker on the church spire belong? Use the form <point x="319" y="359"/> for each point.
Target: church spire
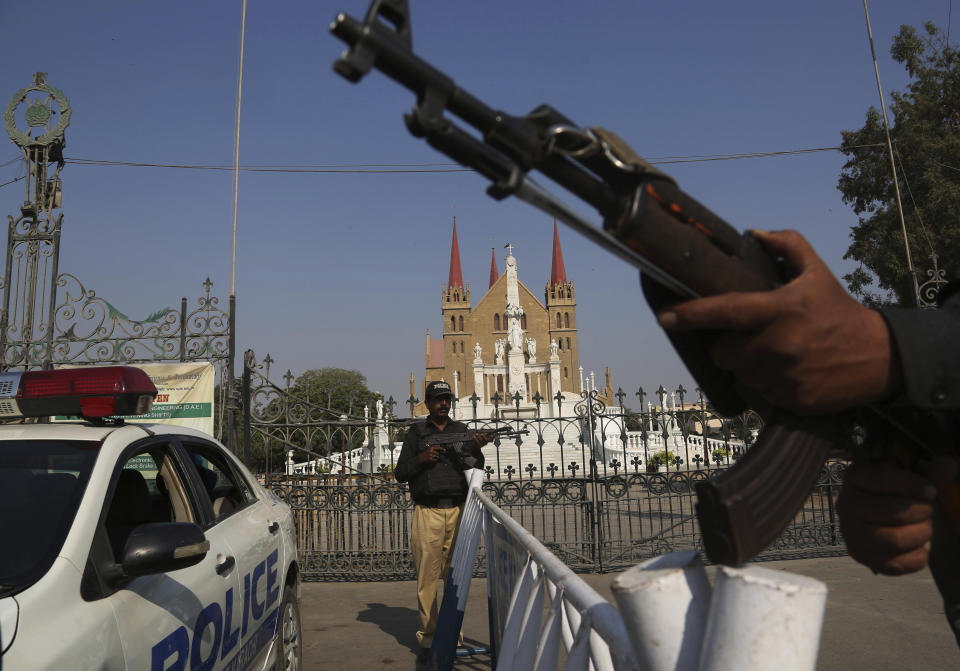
<point x="456" y="276"/>
<point x="494" y="271"/>
<point x="558" y="275"/>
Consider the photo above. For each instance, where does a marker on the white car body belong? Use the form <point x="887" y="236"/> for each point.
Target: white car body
<point x="226" y="611"/>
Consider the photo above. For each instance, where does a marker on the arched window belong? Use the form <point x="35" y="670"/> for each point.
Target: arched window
<point x="460" y="324"/>
<point x="568" y="343"/>
<point x="565" y="372"/>
<point x="523" y="321"/>
<point x="453" y="323"/>
<point x="461" y="347"/>
<point x="566" y="320"/>
<point x="569" y="295"/>
<point x="558" y="320"/>
<point x="496" y="322"/>
<point x="559" y="343"/>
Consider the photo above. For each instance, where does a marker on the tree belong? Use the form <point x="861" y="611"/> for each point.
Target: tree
<point x="337" y="389"/>
<point x="925" y="131"/>
<point x="307" y="416"/>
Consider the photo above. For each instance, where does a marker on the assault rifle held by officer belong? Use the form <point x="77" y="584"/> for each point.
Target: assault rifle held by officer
<point x="683" y="250"/>
<point x="459" y="444"/>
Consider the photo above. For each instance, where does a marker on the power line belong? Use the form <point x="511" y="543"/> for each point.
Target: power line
<point x="283" y="169"/>
<point x="417" y="168"/>
<point x="731" y="157"/>
<point x="379" y="168"/>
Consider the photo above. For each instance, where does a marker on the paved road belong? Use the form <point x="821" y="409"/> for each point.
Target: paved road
<point x="872" y="622"/>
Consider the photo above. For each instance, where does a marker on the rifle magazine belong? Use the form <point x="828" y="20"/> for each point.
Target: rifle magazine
<point x="743" y="509"/>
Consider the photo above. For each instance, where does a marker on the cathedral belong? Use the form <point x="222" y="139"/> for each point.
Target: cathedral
<point x="508" y="345"/>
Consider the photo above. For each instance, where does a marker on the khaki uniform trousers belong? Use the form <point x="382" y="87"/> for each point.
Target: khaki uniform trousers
<point x="432" y="538"/>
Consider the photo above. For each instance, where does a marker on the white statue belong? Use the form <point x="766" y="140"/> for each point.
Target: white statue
<point x="499" y="345"/>
<point x="553" y="348"/>
<point x="477" y="351"/>
<point x="379" y="408"/>
<point x="532" y="349"/>
<point x="516" y="334"/>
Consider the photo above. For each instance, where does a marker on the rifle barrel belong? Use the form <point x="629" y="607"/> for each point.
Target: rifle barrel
<point x="398" y="62"/>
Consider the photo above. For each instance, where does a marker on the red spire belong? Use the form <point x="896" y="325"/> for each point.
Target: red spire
<point x="456" y="276"/>
<point x="494" y="272"/>
<point x="558" y="275"/>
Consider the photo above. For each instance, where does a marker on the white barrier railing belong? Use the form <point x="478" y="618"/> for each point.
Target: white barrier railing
<point x="543" y="616"/>
<point x="580" y="624"/>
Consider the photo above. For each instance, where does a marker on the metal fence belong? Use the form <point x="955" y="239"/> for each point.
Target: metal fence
<point x="602" y="489"/>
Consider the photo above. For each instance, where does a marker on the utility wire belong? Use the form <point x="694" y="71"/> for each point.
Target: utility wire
<point x="386" y="168"/>
<point x="284" y="169"/>
<point x="893" y="166"/>
<point x="236" y="152"/>
<point x="416" y="168"/>
<point x="906" y="182"/>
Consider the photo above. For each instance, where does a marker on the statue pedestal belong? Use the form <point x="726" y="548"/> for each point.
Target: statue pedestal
<point x="518" y="382"/>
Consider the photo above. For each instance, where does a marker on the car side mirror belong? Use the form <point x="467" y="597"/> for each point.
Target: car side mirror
<point x="163" y="546"/>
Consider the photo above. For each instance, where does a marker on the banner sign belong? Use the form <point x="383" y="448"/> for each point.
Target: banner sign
<point x="184" y="395"/>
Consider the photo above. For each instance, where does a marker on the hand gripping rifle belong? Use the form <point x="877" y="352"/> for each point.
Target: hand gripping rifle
<point x="682" y="249"/>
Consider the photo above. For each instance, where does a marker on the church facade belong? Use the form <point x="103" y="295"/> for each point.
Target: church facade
<point x="510" y="345"/>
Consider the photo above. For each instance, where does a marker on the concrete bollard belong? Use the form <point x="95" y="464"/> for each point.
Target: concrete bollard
<point x="665" y="602"/>
<point x="762" y="619"/>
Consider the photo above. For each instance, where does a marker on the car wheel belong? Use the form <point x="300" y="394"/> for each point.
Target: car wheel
<point x="289" y="642"/>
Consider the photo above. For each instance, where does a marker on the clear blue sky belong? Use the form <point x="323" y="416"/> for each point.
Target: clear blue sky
<point x="345" y="269"/>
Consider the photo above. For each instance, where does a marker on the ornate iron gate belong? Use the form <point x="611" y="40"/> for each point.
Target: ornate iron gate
<point x="602" y="489"/>
<point x="49" y="318"/>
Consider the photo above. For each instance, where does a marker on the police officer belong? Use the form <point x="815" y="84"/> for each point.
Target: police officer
<point x="438" y="488"/>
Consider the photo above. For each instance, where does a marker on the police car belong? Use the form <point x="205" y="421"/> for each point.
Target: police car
<point x="134" y="546"/>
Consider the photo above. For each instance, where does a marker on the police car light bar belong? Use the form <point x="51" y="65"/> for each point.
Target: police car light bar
<point x="92" y="393"/>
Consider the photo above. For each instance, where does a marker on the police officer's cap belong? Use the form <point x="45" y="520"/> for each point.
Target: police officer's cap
<point x="437" y="389"/>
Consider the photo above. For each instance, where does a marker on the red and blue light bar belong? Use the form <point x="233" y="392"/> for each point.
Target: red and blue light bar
<point x="107" y="391"/>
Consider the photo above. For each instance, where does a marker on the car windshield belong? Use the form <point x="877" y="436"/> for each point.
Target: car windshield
<point x="41" y="484"/>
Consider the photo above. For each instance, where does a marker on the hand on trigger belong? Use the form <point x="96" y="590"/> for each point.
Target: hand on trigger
<point x="430" y="455"/>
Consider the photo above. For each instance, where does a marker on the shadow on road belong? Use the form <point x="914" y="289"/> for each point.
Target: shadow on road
<point x="398" y="622"/>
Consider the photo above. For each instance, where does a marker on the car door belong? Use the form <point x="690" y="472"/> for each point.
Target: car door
<point x="254" y="533"/>
<point x="183" y="619"/>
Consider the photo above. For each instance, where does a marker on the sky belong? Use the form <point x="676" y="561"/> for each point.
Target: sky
<point x="344" y="268"/>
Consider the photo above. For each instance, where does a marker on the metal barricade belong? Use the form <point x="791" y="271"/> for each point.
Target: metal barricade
<point x="549" y="615"/>
<point x="543" y="616"/>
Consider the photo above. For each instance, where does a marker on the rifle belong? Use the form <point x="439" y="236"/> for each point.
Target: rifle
<point x="682" y="249"/>
<point x="455" y="442"/>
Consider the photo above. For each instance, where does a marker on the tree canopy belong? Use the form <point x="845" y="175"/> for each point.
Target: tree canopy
<point x="925" y="131"/>
<point x="341" y="390"/>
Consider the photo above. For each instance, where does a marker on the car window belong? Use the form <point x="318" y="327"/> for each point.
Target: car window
<point x="225" y="488"/>
<point x="148" y="489"/>
<point x="41" y="485"/>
